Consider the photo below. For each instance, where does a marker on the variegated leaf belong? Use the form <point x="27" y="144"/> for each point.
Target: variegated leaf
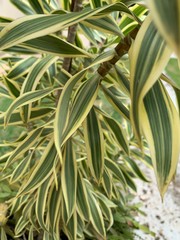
<point x="148" y="56"/>
<point x="161" y="127"/>
<point x="43" y="170"/>
<point x="40" y="25"/>
<point x="24" y="99"/>
<point x="69" y="178"/>
<point x="166" y="16"/>
<point x="94" y="144"/>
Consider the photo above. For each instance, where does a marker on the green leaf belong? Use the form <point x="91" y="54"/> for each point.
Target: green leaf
<point x="118" y="133"/>
<point x="161" y="128"/>
<point x="36" y="6"/>
<point x="105" y="24"/>
<point x="127" y="24"/>
<point x="25" y="145"/>
<point x="26" y="99"/>
<point x="20" y="225"/>
<point x="94" y="145"/>
<point x="34" y="26"/>
<point x="165" y="15"/>
<point x="54" y="204"/>
<point x="82" y="198"/>
<point x="43" y="169"/>
<point x="21" y="68"/>
<point x="32" y="80"/>
<point x="21" y="168"/>
<point x="55" y="46"/>
<point x="115" y="170"/>
<point x="69" y="178"/>
<point x="135" y="168"/>
<point x="66" y="124"/>
<point x="13" y="87"/>
<point x="96" y="216"/>
<point x="71" y="227"/>
<point x="107" y="182"/>
<point x="148" y="56"/>
<point x="23" y="7"/>
<point x="116" y="102"/>
<point x="62" y="109"/>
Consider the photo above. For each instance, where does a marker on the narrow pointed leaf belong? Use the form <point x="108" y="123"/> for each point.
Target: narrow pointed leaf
<point x="34" y="26"/>
<point x="116" y="102"/>
<point x="166" y="16"/>
<point x="94" y="144"/>
<point x="23" y="7"/>
<point x="42" y="195"/>
<point x="55" y="46"/>
<point x="71" y="227"/>
<point x="115" y="169"/>
<point x="105" y="24"/>
<point x="161" y="127"/>
<point x="25" y="99"/>
<point x="43" y="169"/>
<point x="69" y="178"/>
<point x="82" y="198"/>
<point x="21" y="68"/>
<point x="118" y="133"/>
<point x="21" y="168"/>
<point x="54" y="203"/>
<point x="32" y="80"/>
<point x="96" y="217"/>
<point x="148" y="56"/>
<point x="25" y="145"/>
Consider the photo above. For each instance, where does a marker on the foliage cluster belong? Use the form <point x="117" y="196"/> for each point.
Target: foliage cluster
<point x="69" y="170"/>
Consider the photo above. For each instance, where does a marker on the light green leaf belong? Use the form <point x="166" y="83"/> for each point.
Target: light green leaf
<point x="3" y="234"/>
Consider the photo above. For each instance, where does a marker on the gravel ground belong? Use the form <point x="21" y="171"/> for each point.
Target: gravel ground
<point x="162" y="218"/>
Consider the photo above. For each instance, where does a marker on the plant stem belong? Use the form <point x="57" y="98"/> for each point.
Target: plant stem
<point x="76" y="6"/>
<point x="121" y="49"/>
